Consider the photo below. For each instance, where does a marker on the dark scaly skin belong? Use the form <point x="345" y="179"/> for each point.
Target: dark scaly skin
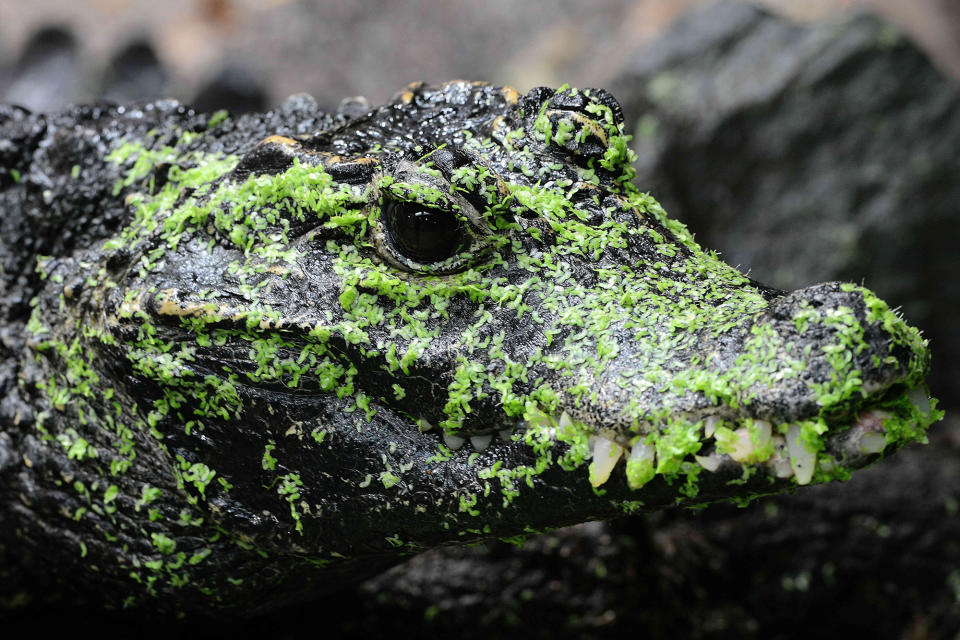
<point x="233" y="385"/>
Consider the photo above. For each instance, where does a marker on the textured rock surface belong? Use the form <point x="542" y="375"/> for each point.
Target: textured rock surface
<point x="808" y="154"/>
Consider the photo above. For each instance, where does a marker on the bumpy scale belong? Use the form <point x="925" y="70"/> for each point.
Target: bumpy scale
<point x="298" y="358"/>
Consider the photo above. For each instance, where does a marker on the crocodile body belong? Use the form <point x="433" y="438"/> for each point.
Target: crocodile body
<point x="250" y="360"/>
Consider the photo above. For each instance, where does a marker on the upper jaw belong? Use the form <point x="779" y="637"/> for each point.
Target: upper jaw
<point x="800" y="451"/>
<point x="815" y="426"/>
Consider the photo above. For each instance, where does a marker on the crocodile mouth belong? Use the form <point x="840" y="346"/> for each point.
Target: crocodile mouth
<point x="783" y="431"/>
<point x="817" y="449"/>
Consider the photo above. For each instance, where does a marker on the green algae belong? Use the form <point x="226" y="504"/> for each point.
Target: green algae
<point x="303" y="189"/>
<point x="528" y="234"/>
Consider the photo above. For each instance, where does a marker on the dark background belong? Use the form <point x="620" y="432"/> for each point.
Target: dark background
<point x="805" y="150"/>
<point x="338" y="48"/>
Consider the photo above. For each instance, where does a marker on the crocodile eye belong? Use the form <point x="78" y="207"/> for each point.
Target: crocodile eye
<point x="424" y="235"/>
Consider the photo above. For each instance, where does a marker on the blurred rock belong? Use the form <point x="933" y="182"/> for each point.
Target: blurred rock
<point x="135" y="73"/>
<point x="47" y="75"/>
<point x="934" y="23"/>
<point x="808" y="154"/>
<point x="235" y="89"/>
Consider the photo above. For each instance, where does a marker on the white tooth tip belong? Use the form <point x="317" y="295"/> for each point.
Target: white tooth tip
<point x="802" y="461"/>
<point x="764" y="432"/>
<point x="452" y="441"/>
<point x="710" y="426"/>
<point x="606" y="453"/>
<point x="565" y="420"/>
<point x="760" y="436"/>
<point x="872" y="442"/>
<point x="481" y="442"/>
<point x="640" y="465"/>
<point x="642" y="451"/>
<point x="743" y="448"/>
<point x="919" y="397"/>
<point x="506" y="435"/>
<point x="424" y="425"/>
<point x="782" y="469"/>
<point x="711" y="463"/>
<point x="780" y="461"/>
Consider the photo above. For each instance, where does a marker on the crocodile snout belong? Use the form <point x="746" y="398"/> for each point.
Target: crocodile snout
<point x="820" y="379"/>
<point x="853" y="343"/>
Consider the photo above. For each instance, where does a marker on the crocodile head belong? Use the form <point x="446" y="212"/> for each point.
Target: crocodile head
<point x="451" y="317"/>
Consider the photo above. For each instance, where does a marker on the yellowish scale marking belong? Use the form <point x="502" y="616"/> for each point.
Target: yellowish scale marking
<point x="275" y="139"/>
<point x="586" y="122"/>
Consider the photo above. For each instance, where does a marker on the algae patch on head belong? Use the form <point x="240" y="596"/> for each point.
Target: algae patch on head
<point x="455" y="317"/>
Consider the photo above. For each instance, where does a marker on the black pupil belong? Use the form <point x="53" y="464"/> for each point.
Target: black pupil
<point x="424" y="235"/>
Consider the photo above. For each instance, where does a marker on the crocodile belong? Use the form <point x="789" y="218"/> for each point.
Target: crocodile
<point x="250" y="360"/>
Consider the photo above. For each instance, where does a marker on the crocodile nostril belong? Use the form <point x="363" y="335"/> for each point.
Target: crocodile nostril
<point x="854" y="335"/>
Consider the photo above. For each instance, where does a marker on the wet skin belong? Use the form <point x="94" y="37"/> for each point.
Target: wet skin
<point x="275" y="364"/>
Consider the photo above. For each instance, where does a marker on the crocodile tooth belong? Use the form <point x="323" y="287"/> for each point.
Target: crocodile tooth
<point x="711" y="462"/>
<point x="780" y="461"/>
<point x="452" y="441"/>
<point x="867" y="433"/>
<point x="743" y="448"/>
<point x="481" y="442"/>
<point x="564" y="421"/>
<point x="764" y="432"/>
<point x="872" y="442"/>
<point x="642" y="451"/>
<point x="920" y="398"/>
<point x="540" y="421"/>
<point x="606" y="453"/>
<point x="424" y="425"/>
<point x="506" y="435"/>
<point x="782" y="469"/>
<point x="802" y="460"/>
<point x="710" y="426"/>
